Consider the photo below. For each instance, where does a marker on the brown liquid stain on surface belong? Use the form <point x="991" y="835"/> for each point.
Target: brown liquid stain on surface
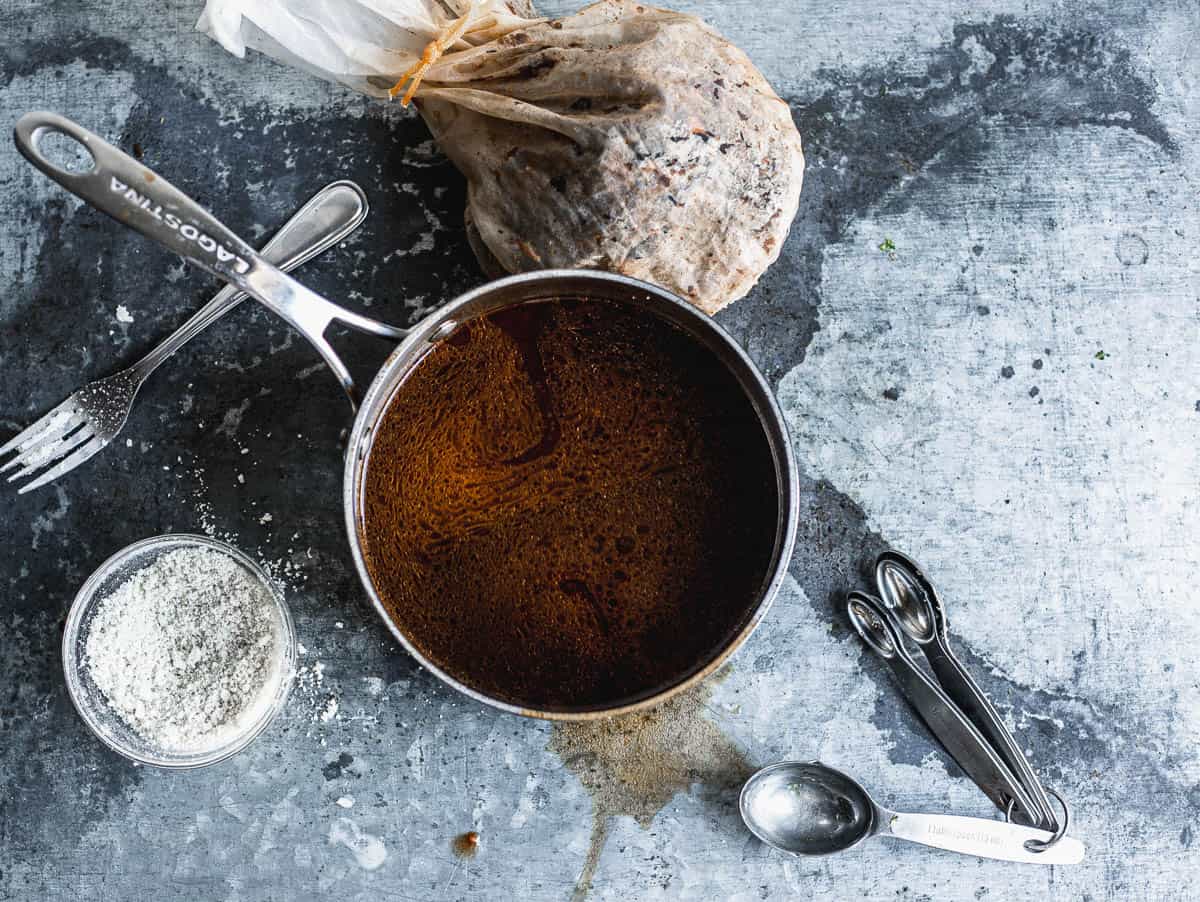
<point x="634" y="765"/>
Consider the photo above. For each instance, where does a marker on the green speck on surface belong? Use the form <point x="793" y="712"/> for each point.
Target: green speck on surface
<point x="1100" y="355"/>
<point x="887" y="246"/>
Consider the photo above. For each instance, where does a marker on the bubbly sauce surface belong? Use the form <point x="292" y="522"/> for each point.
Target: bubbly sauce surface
<point x="569" y="504"/>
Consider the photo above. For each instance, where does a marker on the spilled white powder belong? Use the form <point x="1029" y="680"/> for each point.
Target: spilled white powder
<point x="123" y="314"/>
<point x="369" y="851"/>
<point x="330" y="709"/>
<point x="188" y="650"/>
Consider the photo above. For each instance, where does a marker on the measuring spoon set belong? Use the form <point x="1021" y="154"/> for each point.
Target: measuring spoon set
<point x="809" y="808"/>
<point x="908" y="609"/>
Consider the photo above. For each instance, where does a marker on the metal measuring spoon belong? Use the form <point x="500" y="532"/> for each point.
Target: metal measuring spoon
<point x="877" y="626"/>
<point x="909" y="594"/>
<point x="811" y="809"/>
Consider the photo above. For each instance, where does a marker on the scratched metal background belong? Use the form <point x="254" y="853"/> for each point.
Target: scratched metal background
<point x="1034" y="165"/>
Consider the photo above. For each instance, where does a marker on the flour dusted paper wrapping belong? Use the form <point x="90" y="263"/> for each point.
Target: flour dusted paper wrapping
<point x="624" y="137"/>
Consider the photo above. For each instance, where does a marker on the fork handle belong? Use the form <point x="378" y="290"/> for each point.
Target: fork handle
<point x="330" y="215"/>
<point x="140" y="199"/>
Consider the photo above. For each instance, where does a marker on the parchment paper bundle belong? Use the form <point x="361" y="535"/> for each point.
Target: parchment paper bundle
<point x="624" y="137"/>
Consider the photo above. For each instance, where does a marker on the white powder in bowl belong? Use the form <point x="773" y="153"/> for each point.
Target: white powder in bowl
<point x="188" y="650"/>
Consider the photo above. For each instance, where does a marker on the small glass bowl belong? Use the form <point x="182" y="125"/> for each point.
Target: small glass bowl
<point x="90" y="701"/>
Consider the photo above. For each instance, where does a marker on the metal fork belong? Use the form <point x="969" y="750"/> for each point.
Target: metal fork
<point x="94" y="415"/>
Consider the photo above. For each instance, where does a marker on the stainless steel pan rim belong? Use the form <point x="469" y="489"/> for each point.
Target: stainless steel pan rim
<point x="557" y="283"/>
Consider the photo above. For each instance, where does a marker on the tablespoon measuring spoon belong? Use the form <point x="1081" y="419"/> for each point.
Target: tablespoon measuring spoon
<point x="812" y="809"/>
<point x="139" y="198"/>
<point x="909" y="594"/>
<point x="876" y="624"/>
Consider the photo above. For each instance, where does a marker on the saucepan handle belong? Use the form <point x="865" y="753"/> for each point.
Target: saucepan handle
<point x="139" y="198"/>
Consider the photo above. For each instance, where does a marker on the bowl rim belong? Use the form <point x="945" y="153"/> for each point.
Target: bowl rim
<point x="86" y="597"/>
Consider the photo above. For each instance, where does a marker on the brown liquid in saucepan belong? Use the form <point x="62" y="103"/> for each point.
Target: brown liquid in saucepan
<point x="569" y="504"/>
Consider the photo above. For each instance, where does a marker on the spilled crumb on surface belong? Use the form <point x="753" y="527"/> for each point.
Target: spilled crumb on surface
<point x="465" y="845"/>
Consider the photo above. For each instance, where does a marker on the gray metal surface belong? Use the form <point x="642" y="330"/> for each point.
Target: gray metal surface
<point x="983" y="331"/>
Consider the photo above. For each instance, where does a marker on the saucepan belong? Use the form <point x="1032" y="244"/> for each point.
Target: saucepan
<point x="140" y="199"/>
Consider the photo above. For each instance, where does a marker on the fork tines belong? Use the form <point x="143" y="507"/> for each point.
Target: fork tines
<point x="62" y="437"/>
